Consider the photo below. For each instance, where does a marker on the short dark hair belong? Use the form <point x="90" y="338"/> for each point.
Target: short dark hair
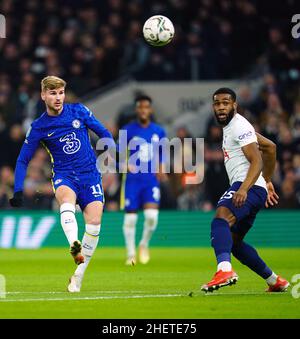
<point x="142" y="98"/>
<point x="225" y="90"/>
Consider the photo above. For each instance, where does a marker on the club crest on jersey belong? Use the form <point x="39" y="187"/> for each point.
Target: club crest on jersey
<point x="76" y="123"/>
<point x="58" y="181"/>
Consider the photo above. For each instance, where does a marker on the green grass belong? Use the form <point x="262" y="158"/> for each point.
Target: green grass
<point x="36" y="284"/>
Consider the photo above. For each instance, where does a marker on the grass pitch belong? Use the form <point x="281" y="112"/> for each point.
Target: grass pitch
<point x="36" y="286"/>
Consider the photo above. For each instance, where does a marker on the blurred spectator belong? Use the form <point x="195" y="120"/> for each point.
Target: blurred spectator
<point x="11" y="141"/>
<point x="6" y="185"/>
<point x="216" y="181"/>
<point x="37" y="190"/>
<point x="93" y="43"/>
<point x="295" y="120"/>
<point x="111" y="188"/>
<point x="288" y="199"/>
<point x="193" y="199"/>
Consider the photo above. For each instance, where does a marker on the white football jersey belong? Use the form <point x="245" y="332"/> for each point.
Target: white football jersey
<point x="238" y="133"/>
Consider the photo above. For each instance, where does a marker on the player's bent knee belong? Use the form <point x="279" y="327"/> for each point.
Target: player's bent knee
<point x="92" y="229"/>
<point x="151" y="217"/>
<point x="65" y="195"/>
<point x="226" y="214"/>
<point x="93" y="220"/>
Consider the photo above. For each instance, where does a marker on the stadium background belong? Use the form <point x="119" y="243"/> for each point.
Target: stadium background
<point x="96" y="45"/>
<point x="98" y="48"/>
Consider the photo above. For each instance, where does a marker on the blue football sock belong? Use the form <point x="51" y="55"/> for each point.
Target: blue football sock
<point x="248" y="256"/>
<point x="221" y="239"/>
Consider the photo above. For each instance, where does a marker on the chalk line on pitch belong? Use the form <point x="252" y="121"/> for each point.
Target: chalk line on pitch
<point x="96" y="298"/>
<point x="64" y="292"/>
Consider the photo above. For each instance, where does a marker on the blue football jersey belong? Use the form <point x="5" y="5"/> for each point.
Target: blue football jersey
<point x="144" y="153"/>
<point x="66" y="139"/>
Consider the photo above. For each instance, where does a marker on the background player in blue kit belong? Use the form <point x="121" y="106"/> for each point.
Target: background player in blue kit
<point x="142" y="190"/>
<point x="63" y="130"/>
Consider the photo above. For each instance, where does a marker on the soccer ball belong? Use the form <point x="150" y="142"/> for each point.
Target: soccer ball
<point x="158" y="30"/>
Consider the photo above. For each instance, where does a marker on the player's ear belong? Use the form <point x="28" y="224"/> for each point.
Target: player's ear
<point x="43" y="95"/>
<point x="235" y="105"/>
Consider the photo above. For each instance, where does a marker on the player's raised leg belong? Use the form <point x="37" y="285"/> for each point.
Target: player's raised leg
<point x="150" y="225"/>
<point x="221" y="241"/>
<point x="129" y="227"/>
<point x="92" y="216"/>
<point x="66" y="198"/>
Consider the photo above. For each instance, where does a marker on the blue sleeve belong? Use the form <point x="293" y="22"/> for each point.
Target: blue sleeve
<point x="162" y="159"/>
<point x="93" y="124"/>
<point x="28" y="149"/>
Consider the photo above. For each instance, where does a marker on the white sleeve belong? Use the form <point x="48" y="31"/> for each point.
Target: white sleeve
<point x="244" y="133"/>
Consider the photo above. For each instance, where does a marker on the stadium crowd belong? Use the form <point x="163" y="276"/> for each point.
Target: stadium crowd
<point x="92" y="43"/>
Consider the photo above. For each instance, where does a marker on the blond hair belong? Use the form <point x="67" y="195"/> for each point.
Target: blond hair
<point x="52" y="82"/>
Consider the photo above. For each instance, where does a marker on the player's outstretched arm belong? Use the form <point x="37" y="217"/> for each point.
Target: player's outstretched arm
<point x="254" y="157"/>
<point x="268" y="149"/>
<point x="27" y="151"/>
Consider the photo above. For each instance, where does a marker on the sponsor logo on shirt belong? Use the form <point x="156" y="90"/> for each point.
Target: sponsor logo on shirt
<point x="72" y="144"/>
<point x="245" y="135"/>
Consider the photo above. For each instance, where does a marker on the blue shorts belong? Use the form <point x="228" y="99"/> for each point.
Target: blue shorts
<point x="246" y="214"/>
<point x="139" y="192"/>
<point x="87" y="186"/>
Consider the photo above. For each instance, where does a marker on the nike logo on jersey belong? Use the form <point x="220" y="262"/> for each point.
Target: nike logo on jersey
<point x="49" y="134"/>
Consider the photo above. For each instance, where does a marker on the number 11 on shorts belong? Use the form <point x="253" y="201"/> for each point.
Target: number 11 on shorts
<point x="96" y="190"/>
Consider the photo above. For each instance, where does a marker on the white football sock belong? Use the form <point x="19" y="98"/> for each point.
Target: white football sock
<point x="89" y="244"/>
<point x="68" y="221"/>
<point x="224" y="266"/>
<point x="129" y="226"/>
<point x="150" y="224"/>
<point x="272" y="279"/>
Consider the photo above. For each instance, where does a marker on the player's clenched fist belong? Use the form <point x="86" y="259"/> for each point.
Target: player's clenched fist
<point x="239" y="197"/>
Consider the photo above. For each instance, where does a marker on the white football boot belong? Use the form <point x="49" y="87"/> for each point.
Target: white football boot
<point x="144" y="255"/>
<point x="75" y="283"/>
<point x="130" y="261"/>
